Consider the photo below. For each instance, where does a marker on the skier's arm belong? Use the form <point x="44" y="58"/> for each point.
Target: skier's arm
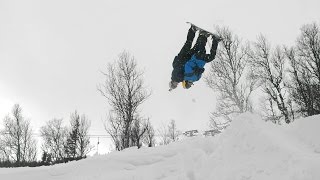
<point x="177" y="72"/>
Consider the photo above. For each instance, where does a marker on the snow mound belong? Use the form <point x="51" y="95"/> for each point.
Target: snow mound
<point x="249" y="149"/>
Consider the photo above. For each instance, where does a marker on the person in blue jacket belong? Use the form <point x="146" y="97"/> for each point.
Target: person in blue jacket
<point x="188" y="65"/>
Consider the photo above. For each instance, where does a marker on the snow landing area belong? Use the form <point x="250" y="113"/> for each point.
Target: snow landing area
<point x="249" y="149"/>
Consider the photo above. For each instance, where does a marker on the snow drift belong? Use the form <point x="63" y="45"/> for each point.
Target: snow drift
<point x="249" y="149"/>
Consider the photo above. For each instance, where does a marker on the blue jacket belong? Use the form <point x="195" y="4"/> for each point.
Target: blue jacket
<point x="193" y="69"/>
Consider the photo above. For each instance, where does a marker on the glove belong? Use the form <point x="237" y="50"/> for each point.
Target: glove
<point x="173" y="84"/>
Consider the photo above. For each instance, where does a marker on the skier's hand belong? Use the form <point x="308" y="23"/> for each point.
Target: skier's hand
<point x="173" y="85"/>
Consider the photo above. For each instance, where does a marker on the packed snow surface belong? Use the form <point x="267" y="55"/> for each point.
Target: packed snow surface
<point x="248" y="149"/>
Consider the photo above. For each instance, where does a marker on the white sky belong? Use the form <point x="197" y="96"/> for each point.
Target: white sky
<point x="51" y="52"/>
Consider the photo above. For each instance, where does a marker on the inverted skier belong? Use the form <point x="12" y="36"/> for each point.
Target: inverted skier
<point x="188" y="65"/>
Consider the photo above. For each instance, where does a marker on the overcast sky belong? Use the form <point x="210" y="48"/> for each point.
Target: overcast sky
<point x="52" y="52"/>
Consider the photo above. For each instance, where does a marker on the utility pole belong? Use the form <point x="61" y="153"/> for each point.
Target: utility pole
<point x="98" y="146"/>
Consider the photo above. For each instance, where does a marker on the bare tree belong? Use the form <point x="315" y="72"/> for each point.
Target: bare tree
<point x="269" y="110"/>
<point x="54" y="136"/>
<point x="17" y="143"/>
<point x="229" y="75"/>
<point x="169" y="133"/>
<point x="114" y="128"/>
<point x="124" y="90"/>
<point x="173" y="132"/>
<point x="305" y="70"/>
<point x="164" y="138"/>
<point x="270" y="68"/>
<point x="149" y="137"/>
<point x="2" y="155"/>
<point x="217" y="124"/>
<point x="138" y="130"/>
<point x="84" y="146"/>
<point x="308" y="48"/>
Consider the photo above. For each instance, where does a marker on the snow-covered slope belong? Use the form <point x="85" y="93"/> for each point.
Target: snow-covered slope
<point x="249" y="149"/>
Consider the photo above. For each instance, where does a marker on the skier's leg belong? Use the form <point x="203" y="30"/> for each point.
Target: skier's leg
<point x="187" y="45"/>
<point x="200" y="47"/>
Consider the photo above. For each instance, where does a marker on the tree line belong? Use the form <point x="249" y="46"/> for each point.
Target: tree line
<point x="124" y="91"/>
<point x="286" y="79"/>
<point x="18" y="146"/>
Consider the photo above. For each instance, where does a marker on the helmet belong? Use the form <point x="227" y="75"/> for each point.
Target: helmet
<point x="186" y="84"/>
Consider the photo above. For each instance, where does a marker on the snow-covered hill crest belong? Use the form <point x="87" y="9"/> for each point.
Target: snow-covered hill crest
<point x="248" y="149"/>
